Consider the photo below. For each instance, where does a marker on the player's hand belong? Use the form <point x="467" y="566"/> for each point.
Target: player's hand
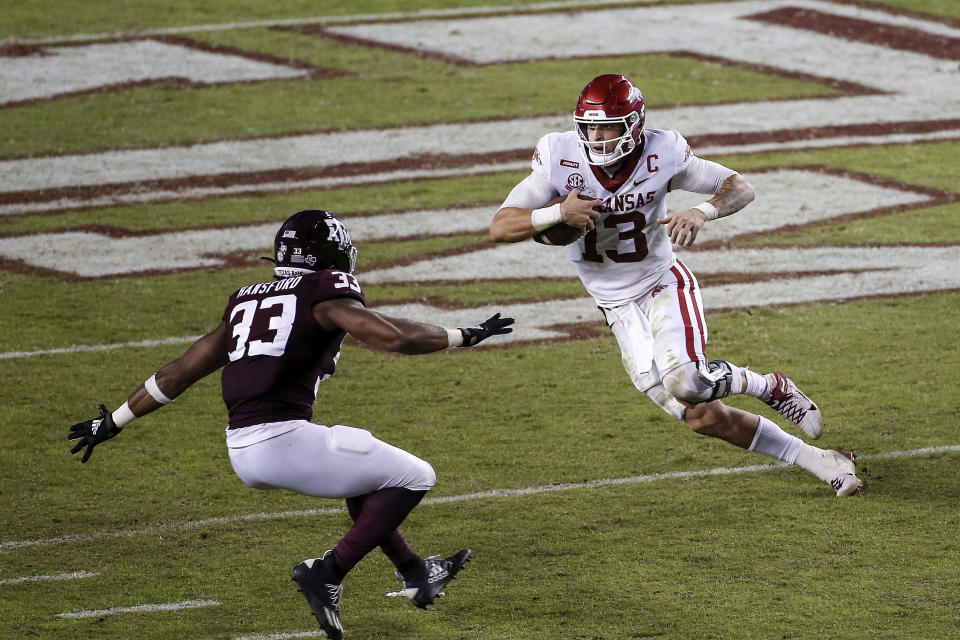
<point x="93" y="432"/>
<point x="493" y="326"/>
<point x="683" y="227"/>
<point x="580" y="212"/>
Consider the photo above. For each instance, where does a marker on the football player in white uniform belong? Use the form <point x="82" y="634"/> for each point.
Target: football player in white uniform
<point x="601" y="190"/>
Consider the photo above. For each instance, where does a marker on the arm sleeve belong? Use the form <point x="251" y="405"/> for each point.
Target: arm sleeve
<point x="532" y="192"/>
<point x="701" y="176"/>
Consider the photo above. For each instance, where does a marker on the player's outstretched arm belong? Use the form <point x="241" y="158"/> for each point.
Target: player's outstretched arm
<point x="202" y="358"/>
<point x="400" y="334"/>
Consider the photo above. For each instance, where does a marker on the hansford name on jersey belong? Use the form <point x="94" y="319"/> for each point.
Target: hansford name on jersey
<point x="267" y="287"/>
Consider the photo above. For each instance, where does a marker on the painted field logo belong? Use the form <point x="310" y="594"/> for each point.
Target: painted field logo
<point x="877" y="91"/>
<point x="49" y="72"/>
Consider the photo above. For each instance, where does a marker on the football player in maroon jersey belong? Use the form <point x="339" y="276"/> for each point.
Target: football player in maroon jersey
<point x="277" y="341"/>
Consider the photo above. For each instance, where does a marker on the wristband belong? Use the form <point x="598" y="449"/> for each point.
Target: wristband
<point x="546" y="217"/>
<point x="708" y="210"/>
<point x="151" y="386"/>
<point x="454" y="338"/>
<point x="123" y="416"/>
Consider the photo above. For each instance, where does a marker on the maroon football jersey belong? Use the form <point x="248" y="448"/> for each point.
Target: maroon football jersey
<point x="278" y="352"/>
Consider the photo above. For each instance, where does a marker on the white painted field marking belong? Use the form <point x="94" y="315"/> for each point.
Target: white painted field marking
<point x="284" y="636"/>
<point x="785" y="197"/>
<point x="468" y="497"/>
<point x="79" y="348"/>
<point x="142" y="608"/>
<point x="141" y="196"/>
<point x="199" y="192"/>
<point x="918" y="88"/>
<point x="96" y="254"/>
<point x="878" y="271"/>
<point x="84" y="68"/>
<point x="865" y="272"/>
<point x="74" y="575"/>
<point x="259" y="24"/>
<point x="317" y="151"/>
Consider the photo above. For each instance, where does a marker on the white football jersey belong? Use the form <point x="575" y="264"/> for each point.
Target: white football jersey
<point x="629" y="251"/>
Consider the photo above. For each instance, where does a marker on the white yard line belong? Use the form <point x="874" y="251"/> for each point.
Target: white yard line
<point x="284" y="636"/>
<point x="141" y="608"/>
<point x="78" y="348"/>
<point x="57" y="576"/>
<point x="467" y="497"/>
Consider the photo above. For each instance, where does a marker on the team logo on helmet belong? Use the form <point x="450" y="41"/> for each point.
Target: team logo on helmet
<point x="338" y="232"/>
<point x="281" y="252"/>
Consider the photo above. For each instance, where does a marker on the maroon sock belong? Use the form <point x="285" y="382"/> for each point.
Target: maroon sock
<point x="376" y="517"/>
<point x="394" y="546"/>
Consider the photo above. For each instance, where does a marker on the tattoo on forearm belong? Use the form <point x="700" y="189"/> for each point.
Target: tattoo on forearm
<point x="733" y="195"/>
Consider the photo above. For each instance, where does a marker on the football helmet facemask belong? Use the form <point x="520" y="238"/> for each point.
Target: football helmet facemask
<point x="312" y="240"/>
<point x="610" y="99"/>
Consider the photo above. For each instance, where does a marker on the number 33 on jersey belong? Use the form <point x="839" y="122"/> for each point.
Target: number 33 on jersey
<point x="276" y="349"/>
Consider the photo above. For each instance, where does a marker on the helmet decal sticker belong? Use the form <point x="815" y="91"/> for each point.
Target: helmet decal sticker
<point x="338" y="232"/>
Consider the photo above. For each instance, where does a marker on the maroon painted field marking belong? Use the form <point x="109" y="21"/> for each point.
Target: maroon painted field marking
<point x="860" y="30"/>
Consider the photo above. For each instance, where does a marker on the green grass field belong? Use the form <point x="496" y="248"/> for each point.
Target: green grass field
<point x="591" y="514"/>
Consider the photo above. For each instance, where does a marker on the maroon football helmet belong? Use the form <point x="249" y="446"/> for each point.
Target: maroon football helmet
<point x="610" y="99"/>
<point x="312" y="240"/>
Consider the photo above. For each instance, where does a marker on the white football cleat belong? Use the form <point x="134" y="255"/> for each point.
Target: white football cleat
<point x="845" y="482"/>
<point x="787" y="400"/>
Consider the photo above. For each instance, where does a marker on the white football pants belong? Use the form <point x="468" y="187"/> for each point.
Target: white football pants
<point x="327" y="462"/>
<point x="659" y="332"/>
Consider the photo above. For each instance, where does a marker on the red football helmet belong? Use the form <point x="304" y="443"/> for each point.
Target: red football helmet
<point x="610" y="99"/>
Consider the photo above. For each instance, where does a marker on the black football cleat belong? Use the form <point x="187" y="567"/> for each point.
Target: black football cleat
<point x="430" y="580"/>
<point x="323" y="593"/>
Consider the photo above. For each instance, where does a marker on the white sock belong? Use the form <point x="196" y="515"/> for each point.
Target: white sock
<point x="759" y="386"/>
<point x="775" y="442"/>
<point x="756" y="386"/>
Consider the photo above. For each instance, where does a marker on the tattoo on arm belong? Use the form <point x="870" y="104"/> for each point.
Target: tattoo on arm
<point x="735" y="193"/>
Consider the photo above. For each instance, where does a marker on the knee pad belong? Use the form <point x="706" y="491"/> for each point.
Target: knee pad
<point x="718" y="374"/>
<point x="686" y="383"/>
<point x="666" y="401"/>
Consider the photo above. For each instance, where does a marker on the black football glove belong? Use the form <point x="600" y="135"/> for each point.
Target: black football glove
<point x="93" y="432"/>
<point x="493" y="326"/>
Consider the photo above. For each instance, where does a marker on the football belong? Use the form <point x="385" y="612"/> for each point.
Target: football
<point x="559" y="234"/>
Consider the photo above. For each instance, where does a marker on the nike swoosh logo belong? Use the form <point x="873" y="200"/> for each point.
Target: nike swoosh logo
<point x="639" y="182"/>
